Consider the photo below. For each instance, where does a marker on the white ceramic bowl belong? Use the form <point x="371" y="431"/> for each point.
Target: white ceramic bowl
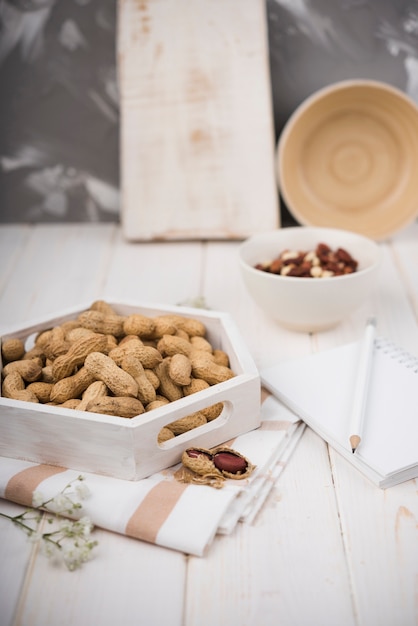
<point x="309" y="304"/>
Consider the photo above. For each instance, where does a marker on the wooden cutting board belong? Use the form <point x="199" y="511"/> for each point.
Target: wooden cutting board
<point x="197" y="136"/>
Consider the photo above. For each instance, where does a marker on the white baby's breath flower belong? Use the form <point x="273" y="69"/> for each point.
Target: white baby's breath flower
<point x="51" y="550"/>
<point x="75" y="555"/>
<point x="67" y="527"/>
<point x="82" y="491"/>
<point x="85" y="526"/>
<point x="61" y="504"/>
<point x="35" y="536"/>
<point x="37" y="499"/>
<point x="196" y="302"/>
<point x="67" y="539"/>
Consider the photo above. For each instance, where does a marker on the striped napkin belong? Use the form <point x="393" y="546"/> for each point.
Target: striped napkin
<point x="161" y="510"/>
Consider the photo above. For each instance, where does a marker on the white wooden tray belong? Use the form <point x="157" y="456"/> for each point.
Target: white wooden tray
<point x="128" y="448"/>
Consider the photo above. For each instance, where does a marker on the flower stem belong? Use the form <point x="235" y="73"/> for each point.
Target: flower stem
<point x="17" y="519"/>
<point x="72" y="538"/>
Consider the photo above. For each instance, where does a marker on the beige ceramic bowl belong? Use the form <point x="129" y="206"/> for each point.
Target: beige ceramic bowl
<point x="308" y="304"/>
<point x="348" y="158"/>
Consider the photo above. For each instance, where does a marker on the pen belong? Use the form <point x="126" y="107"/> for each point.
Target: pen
<point x="362" y="384"/>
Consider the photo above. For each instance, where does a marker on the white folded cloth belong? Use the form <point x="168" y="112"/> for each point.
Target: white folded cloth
<point x="161" y="510"/>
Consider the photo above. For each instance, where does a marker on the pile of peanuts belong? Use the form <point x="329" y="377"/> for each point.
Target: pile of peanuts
<point x="323" y="262"/>
<point x="118" y="365"/>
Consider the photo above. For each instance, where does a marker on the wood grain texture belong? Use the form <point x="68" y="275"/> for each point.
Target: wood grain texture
<point x="15" y="557"/>
<point x="127" y="583"/>
<point x="379" y="528"/>
<point x="197" y="137"/>
<point x="289" y="566"/>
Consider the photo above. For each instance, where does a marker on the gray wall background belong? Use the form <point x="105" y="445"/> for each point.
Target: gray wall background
<point x="59" y="117"/>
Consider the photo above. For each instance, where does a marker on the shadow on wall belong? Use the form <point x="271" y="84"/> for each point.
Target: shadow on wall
<point x="59" y="116"/>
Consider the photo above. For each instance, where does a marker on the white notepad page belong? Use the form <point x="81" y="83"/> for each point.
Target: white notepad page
<point x="319" y="388"/>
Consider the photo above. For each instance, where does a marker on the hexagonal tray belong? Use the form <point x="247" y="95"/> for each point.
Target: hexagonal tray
<point x="128" y="448"/>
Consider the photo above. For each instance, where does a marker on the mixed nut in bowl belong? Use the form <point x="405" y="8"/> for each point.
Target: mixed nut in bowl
<point x="308" y="278"/>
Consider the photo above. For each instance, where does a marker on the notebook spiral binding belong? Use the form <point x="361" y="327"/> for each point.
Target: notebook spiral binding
<point x="395" y="352"/>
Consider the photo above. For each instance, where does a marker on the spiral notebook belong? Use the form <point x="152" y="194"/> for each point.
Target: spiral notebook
<point x="319" y="389"/>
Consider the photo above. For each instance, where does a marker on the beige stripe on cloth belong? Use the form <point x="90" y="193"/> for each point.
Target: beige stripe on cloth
<point x="21" y="486"/>
<point x="153" y="511"/>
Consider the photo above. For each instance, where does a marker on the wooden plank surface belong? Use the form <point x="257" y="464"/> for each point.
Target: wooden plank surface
<point x="197" y="137"/>
<point x="129" y="583"/>
<point x="380" y="531"/>
<point x="52" y="269"/>
<point x="289" y="567"/>
<point x="15" y="560"/>
<point x="326" y="548"/>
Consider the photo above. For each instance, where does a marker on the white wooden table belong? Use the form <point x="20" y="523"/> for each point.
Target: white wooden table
<point x="328" y="548"/>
